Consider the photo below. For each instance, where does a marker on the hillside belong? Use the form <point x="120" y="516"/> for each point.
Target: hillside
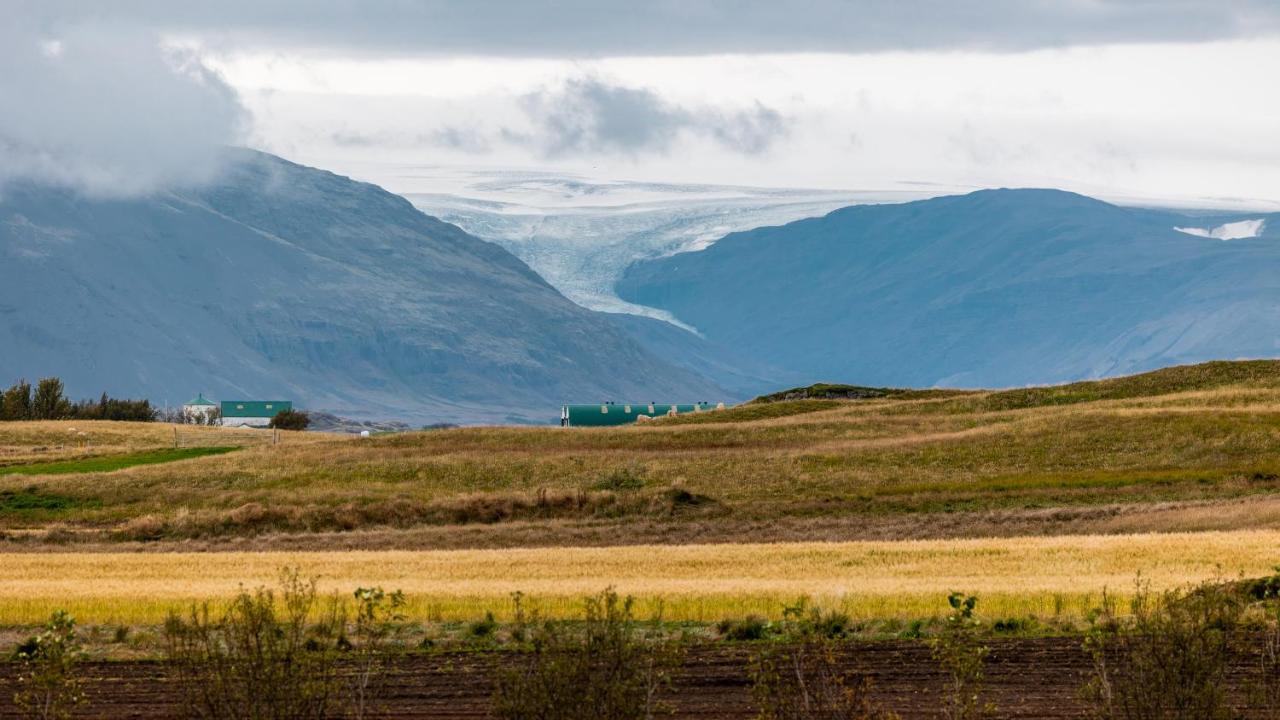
<point x="997" y="288"/>
<point x="286" y="281"/>
<point x="1184" y="448"/>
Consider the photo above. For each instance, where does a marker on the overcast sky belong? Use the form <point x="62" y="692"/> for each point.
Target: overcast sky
<point x="1169" y="99"/>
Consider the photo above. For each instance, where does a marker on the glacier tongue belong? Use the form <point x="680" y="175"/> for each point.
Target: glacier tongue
<point x="1239" y="230"/>
<point x="582" y="234"/>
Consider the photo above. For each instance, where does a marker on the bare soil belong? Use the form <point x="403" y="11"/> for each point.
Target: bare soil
<point x="1028" y="678"/>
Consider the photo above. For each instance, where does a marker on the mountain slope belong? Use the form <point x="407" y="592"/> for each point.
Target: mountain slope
<point x="285" y="281"/>
<point x="995" y="288"/>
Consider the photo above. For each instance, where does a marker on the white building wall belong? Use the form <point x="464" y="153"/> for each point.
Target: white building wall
<point x="260" y="422"/>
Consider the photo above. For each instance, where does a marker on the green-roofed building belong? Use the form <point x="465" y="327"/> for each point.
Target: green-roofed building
<point x="199" y="410"/>
<point x="252" y="413"/>
<point x="605" y="414"/>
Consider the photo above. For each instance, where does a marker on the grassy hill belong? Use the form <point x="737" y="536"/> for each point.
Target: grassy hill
<point x="1182" y="448"/>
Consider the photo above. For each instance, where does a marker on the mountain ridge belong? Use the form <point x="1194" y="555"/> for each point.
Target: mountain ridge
<point x="280" y="279"/>
<point x="995" y="288"/>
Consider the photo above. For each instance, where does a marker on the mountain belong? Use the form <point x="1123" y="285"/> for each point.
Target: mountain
<point x="995" y="288"/>
<point x="581" y="234"/>
<point x="282" y="281"/>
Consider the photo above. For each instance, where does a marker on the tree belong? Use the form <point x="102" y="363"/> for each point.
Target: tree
<point x="49" y="402"/>
<point x="17" y="401"/>
<point x="290" y="420"/>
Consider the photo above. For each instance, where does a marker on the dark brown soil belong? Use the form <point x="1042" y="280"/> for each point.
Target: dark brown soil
<point x="1035" y="678"/>
<point x="1027" y="678"/>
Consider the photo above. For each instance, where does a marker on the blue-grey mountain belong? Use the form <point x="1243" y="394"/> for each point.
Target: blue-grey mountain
<point x="994" y="288"/>
<point x="283" y="281"/>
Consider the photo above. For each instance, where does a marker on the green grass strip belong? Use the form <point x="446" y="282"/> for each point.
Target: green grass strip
<point x="108" y="463"/>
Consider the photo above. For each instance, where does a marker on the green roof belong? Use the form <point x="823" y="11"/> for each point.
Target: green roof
<point x="201" y="400"/>
<point x="254" y="408"/>
<point x="603" y="414"/>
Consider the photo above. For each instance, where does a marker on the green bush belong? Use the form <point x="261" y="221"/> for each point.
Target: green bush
<point x="805" y="681"/>
<point x="265" y="658"/>
<point x="290" y="420"/>
<point x="372" y="645"/>
<point x="606" y="669"/>
<point x="752" y="627"/>
<point x="46" y="679"/>
<point x="960" y="651"/>
<point x="1167" y="660"/>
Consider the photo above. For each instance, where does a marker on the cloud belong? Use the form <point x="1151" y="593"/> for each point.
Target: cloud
<point x="106" y="110"/>
<point x="598" y="28"/>
<point x="589" y="116"/>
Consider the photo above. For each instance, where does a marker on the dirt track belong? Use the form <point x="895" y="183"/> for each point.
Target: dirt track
<point x="1036" y="678"/>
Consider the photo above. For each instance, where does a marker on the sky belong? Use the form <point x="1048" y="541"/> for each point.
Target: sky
<point x="1167" y="101"/>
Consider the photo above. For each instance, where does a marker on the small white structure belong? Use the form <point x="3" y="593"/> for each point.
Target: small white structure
<point x="199" y="411"/>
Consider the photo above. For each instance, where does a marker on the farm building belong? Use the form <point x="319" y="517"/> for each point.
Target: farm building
<point x="610" y="413"/>
<point x="252" y="413"/>
<point x="199" y="410"/>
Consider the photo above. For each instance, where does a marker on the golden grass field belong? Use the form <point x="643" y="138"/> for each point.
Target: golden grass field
<point x="1060" y="576"/>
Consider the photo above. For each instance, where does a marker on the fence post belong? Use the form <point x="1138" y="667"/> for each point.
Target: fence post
<point x="175" y="437"/>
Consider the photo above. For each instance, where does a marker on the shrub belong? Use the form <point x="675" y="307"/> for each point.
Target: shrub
<point x="803" y="679"/>
<point x="607" y="670"/>
<point x="752" y="627"/>
<point x="378" y="623"/>
<point x="47" y="683"/>
<point x="262" y="659"/>
<point x="805" y="682"/>
<point x="621" y="480"/>
<point x="290" y="420"/>
<point x="1168" y="660"/>
<point x="959" y="649"/>
<point x="802" y="621"/>
<point x="484" y="628"/>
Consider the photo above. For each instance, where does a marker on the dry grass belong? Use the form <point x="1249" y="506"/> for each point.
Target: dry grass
<point x="1204" y="434"/>
<point x="55" y="440"/>
<point x="1062" y="576"/>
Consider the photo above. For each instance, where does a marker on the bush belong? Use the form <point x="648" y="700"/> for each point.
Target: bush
<point x="621" y="480"/>
<point x="959" y="649"/>
<point x="806" y="682"/>
<point x="47" y="684"/>
<point x="608" y="670"/>
<point x="378" y="623"/>
<point x="1168" y="660"/>
<point x="752" y="627"/>
<point x="290" y="420"/>
<point x="804" y="679"/>
<point x="261" y="660"/>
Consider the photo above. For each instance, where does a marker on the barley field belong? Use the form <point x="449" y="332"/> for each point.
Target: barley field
<point x="1061" y="576"/>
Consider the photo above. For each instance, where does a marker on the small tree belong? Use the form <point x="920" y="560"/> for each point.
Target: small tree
<point x="962" y="654"/>
<point x="47" y="684"/>
<point x="290" y="420"/>
<point x="49" y="403"/>
<point x="608" y="671"/>
<point x="17" y="401"/>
